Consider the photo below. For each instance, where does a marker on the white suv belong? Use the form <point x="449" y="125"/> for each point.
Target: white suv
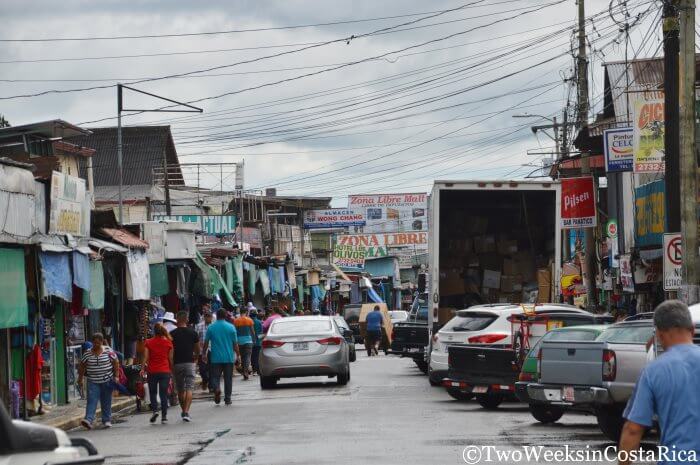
<point x="480" y="324"/>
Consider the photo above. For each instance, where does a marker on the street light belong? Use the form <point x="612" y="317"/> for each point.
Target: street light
<point x="553" y="126"/>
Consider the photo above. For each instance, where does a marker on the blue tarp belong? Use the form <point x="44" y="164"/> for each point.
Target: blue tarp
<point x="56" y="275"/>
<point x="374" y="297"/>
<point x="281" y="271"/>
<point x="81" y="271"/>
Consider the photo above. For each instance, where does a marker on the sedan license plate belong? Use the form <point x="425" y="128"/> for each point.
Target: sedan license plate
<point x="480" y="389"/>
<point x="413" y="349"/>
<point x="567" y="393"/>
<point x="552" y="395"/>
<point x="301" y="346"/>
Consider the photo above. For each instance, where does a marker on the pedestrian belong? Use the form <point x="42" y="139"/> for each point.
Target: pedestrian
<point x="100" y="366"/>
<point x="245" y="330"/>
<point x="375" y="320"/>
<point x="204" y="357"/>
<point x="158" y="363"/>
<point x="668" y="387"/>
<point x="186" y="352"/>
<point x="169" y="321"/>
<point x="257" y="344"/>
<point x="276" y="313"/>
<point x="222" y="338"/>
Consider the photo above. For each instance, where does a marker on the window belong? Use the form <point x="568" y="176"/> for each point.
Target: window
<point x="627" y="334"/>
<point x="575" y="335"/>
<point x="469" y="322"/>
<point x="281" y="327"/>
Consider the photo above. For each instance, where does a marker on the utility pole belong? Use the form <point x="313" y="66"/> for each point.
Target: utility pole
<point x="166" y="182"/>
<point x="671" y="113"/>
<point x="688" y="160"/>
<point x="582" y="74"/>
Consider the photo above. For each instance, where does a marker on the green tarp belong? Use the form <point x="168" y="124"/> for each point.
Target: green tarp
<point x="252" y="280"/>
<point x="264" y="281"/>
<point x="13" y="289"/>
<point x="228" y="268"/>
<point x="208" y="281"/>
<point x="159" y="279"/>
<point x="300" y="289"/>
<point x="94" y="299"/>
<point x="237" y="263"/>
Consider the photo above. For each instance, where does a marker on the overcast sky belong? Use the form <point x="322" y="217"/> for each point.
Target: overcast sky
<point x="393" y="124"/>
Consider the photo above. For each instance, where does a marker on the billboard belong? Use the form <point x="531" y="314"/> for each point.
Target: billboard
<point x="68" y="200"/>
<point x="404" y="245"/>
<point x="349" y="256"/>
<point x="618" y="148"/>
<point x="650" y="213"/>
<point x="333" y="218"/>
<point x="578" y="208"/>
<point x="649" y="128"/>
<point x="392" y="212"/>
<point x="212" y="225"/>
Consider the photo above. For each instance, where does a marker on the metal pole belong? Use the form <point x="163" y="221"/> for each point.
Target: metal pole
<point x="582" y="71"/>
<point x="671" y="109"/>
<point x="556" y="136"/>
<point x="688" y="161"/>
<point x="119" y="149"/>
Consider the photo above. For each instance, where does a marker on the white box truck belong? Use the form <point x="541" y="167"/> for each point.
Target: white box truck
<point x="492" y="242"/>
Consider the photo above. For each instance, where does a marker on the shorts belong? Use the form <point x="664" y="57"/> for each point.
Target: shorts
<point x="184" y="376"/>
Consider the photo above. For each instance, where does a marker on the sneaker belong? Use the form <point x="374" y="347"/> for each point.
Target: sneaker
<point x="154" y="417"/>
<point x="106" y="424"/>
<point x="186" y="418"/>
<point x="217" y="398"/>
<point x="228" y="402"/>
<point x="86" y="424"/>
<point x="163" y="420"/>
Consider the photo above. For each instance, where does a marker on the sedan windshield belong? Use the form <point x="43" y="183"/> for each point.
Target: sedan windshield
<point x="282" y="327"/>
<point x="627" y="334"/>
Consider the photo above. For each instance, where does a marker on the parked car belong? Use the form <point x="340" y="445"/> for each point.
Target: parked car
<point x="542" y="412"/>
<point x="489" y="371"/>
<point x="351" y="313"/>
<point x="597" y="376"/>
<point x="410" y="337"/>
<point x="304" y="346"/>
<point x="398" y="315"/>
<point x="348" y="334"/>
<point x="25" y="443"/>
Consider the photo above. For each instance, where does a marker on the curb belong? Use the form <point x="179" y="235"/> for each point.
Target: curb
<point x="119" y="407"/>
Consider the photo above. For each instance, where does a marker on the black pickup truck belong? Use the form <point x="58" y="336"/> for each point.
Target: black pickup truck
<point x="410" y="337"/>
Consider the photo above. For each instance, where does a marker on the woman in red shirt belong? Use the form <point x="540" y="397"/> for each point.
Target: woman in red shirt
<point x="158" y="363"/>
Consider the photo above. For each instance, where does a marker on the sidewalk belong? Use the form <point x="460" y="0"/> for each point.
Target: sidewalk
<point x="67" y="417"/>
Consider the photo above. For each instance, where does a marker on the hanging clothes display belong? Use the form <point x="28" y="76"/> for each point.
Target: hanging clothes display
<point x="228" y="267"/>
<point x="32" y="378"/>
<point x="95" y="298"/>
<point x="13" y="289"/>
<point x="56" y="275"/>
<point x="252" y="280"/>
<point x="138" y="277"/>
<point x="81" y="270"/>
<point x="274" y="283"/>
<point x="291" y="276"/>
<point x="183" y="277"/>
<point x="264" y="279"/>
<point x="238" y="277"/>
<point x="315" y="296"/>
<point x="159" y="279"/>
<point x="300" y="289"/>
<point x="280" y="272"/>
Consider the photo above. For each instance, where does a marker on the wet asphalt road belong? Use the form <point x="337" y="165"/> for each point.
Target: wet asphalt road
<point x="387" y="414"/>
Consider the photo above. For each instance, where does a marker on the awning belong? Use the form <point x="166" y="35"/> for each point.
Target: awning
<point x="124" y="238"/>
<point x="13" y="289"/>
<point x="108" y="246"/>
<point x="57" y="278"/>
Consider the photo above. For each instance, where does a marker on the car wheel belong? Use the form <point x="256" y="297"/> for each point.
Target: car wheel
<point x="422" y="365"/>
<point x="268" y="382"/>
<point x="353" y="354"/>
<point x="344" y="377"/>
<point x="459" y="395"/>
<point x="432" y="379"/>
<point x="545" y="413"/>
<point x="490" y="401"/>
<point x="610" y="422"/>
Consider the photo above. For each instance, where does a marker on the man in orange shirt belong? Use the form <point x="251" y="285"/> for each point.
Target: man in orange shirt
<point x="246" y="336"/>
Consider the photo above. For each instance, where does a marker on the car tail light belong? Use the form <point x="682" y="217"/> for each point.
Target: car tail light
<point x="331" y="341"/>
<point x="525" y="377"/>
<point x="487" y="338"/>
<point x="539" y="363"/>
<point x="609" y="365"/>
<point x="267" y="343"/>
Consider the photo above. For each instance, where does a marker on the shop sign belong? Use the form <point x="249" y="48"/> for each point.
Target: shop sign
<point x="650" y="213"/>
<point x="611" y="228"/>
<point x="626" y="275"/>
<point x="618" y="148"/>
<point x="649" y="128"/>
<point x="68" y="201"/>
<point x="406" y="246"/>
<point x="212" y="225"/>
<point x="392" y="212"/>
<point x="648" y="272"/>
<point x="349" y="256"/>
<point x="673" y="260"/>
<point x="333" y="218"/>
<point x="578" y="208"/>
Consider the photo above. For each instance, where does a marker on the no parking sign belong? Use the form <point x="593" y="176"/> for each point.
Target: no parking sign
<point x="673" y="259"/>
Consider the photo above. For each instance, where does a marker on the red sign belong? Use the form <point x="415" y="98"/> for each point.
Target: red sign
<point x="578" y="203"/>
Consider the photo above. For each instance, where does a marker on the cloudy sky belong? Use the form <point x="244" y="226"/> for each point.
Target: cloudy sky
<point x="386" y="98"/>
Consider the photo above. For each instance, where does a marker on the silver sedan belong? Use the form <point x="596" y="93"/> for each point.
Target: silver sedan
<point x="303" y="346"/>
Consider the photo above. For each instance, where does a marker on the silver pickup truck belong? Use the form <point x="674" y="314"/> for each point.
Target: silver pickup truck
<point x="598" y="376"/>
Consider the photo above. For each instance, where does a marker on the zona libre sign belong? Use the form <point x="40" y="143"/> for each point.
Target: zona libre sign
<point x="578" y="203"/>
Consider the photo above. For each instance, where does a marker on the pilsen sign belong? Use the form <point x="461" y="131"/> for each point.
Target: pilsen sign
<point x="578" y="203"/>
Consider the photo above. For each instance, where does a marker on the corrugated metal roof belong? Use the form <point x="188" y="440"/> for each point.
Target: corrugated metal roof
<point x="124" y="237"/>
<point x="647" y="74"/>
<point x="143" y="149"/>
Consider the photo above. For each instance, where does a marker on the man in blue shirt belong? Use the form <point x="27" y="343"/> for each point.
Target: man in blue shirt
<point x="221" y="336"/>
<point x="668" y="388"/>
<point x="374" y="330"/>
